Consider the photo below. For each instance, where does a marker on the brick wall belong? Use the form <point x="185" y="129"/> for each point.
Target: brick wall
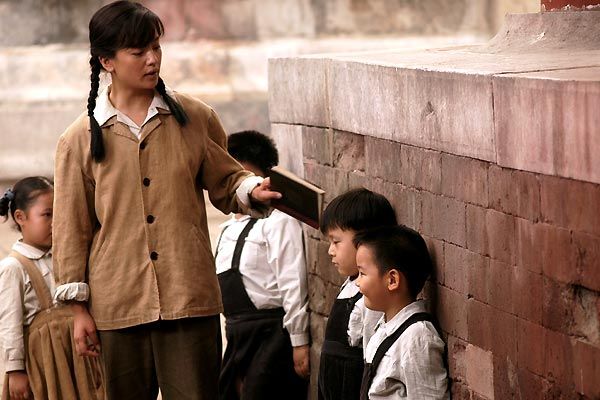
<point x="504" y="187"/>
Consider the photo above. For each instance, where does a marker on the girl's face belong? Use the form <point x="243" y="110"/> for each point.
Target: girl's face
<point x="342" y="251"/>
<point x="135" y="69"/>
<point x="36" y="222"/>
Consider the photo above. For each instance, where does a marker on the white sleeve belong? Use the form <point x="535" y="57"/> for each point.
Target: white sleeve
<point x="243" y="191"/>
<point x="285" y="255"/>
<point x="355" y="323"/>
<point x="11" y="315"/>
<point x="422" y="363"/>
<point x="77" y="291"/>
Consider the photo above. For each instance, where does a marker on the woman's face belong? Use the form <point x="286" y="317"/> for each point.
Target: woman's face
<point x="133" y="68"/>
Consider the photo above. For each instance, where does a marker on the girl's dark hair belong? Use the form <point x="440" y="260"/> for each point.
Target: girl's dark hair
<point x="253" y="147"/>
<point x="119" y="25"/>
<point x="356" y="210"/>
<point x="400" y="248"/>
<point x="23" y="194"/>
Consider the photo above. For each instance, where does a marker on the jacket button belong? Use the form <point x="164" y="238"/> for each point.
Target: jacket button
<point x="150" y="219"/>
<point x="143" y="145"/>
<point x="154" y="256"/>
<point x="146" y="182"/>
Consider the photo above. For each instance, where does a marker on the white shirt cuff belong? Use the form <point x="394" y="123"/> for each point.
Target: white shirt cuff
<point x="15" y="365"/>
<point x="300" y="339"/>
<point x="243" y="191"/>
<point x="77" y="291"/>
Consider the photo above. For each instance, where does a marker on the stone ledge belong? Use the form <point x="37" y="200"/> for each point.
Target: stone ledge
<point x="478" y="101"/>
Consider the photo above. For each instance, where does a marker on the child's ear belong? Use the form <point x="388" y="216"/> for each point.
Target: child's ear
<point x="20" y="217"/>
<point x="394" y="279"/>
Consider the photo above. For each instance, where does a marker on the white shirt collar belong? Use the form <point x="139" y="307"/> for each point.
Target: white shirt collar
<point x="104" y="109"/>
<point x="398" y="319"/>
<point x="29" y="251"/>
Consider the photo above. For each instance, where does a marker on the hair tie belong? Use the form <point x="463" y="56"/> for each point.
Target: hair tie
<point x="9" y="195"/>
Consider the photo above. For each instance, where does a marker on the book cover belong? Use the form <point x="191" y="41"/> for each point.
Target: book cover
<point x="300" y="198"/>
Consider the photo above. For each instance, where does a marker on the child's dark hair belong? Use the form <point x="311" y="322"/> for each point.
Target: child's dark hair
<point x="23" y="194"/>
<point x="253" y="147"/>
<point x="356" y="210"/>
<point x="119" y="25"/>
<point x="401" y="248"/>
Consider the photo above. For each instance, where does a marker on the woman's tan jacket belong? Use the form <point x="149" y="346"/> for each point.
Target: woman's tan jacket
<point x="134" y="225"/>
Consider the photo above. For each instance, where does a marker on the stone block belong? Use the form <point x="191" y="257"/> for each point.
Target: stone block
<point x="406" y="203"/>
<point x="558" y="306"/>
<point x="586" y="369"/>
<point x="204" y="19"/>
<point x="477" y="240"/>
<point x="317" y="144"/>
<point x="491" y="233"/>
<point x="421" y="168"/>
<point x="586" y="316"/>
<point x="457" y="359"/>
<point x="281" y="18"/>
<point x="288" y="139"/>
<point x="500" y="284"/>
<point x="527" y="294"/>
<point x="514" y="192"/>
<point x="531" y="134"/>
<point x="457" y="268"/>
<point x="478" y="275"/>
<point x="527" y="245"/>
<point x="558" y="359"/>
<point x="436" y="252"/>
<point x="465" y="179"/>
<point x="587" y="255"/>
<point x="444" y="218"/>
<point x="566" y="203"/>
<point x="480" y="367"/>
<point x="298" y="91"/>
<point x="479" y="326"/>
<point x="460" y="391"/>
<point x="348" y="151"/>
<point x="321" y="295"/>
<point x="332" y="180"/>
<point x="444" y="111"/>
<point x="382" y="159"/>
<point x="451" y="310"/>
<point x="531" y="346"/>
<point x="239" y="19"/>
<point x="529" y="385"/>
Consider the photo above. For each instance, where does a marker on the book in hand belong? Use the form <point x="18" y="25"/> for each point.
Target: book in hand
<point x="300" y="199"/>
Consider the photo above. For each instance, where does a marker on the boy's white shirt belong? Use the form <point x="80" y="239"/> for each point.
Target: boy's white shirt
<point x="362" y="322"/>
<point x="413" y="366"/>
<point x="273" y="268"/>
<point x="104" y="110"/>
<point x="18" y="301"/>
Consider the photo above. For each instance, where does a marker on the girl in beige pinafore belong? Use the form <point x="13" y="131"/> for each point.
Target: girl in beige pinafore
<point x="36" y="336"/>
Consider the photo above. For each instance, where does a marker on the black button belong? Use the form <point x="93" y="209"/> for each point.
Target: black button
<point x="146" y="182"/>
<point x="150" y="219"/>
<point x="143" y="145"/>
<point x="154" y="256"/>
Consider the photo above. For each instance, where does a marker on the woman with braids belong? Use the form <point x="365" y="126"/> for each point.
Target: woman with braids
<point x="38" y="351"/>
<point x="132" y="250"/>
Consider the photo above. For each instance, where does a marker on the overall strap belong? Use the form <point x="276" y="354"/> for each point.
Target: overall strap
<point x="239" y="246"/>
<point x="219" y="241"/>
<point x="37" y="280"/>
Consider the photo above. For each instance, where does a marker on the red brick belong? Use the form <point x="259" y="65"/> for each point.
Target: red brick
<point x="558" y="306"/>
<point x="479" y="277"/>
<point x="457" y="271"/>
<point x="504" y="330"/>
<point x="527" y="248"/>
<point x="477" y="240"/>
<point x="530" y="386"/>
<point x="527" y="294"/>
<point x="586" y="369"/>
<point x="587" y="253"/>
<point x="444" y="218"/>
<point x="480" y="366"/>
<point x="317" y="145"/>
<point x="457" y="362"/>
<point x="465" y="179"/>
<point x="334" y="181"/>
<point x="436" y="251"/>
<point x="514" y="192"/>
<point x="571" y="204"/>
<point x="451" y="310"/>
<point x="421" y="169"/>
<point x="559" y="359"/>
<point x="348" y="151"/>
<point x="505" y="378"/>
<point x="383" y="159"/>
<point x="406" y="202"/>
<point x="500" y="286"/>
<point x="479" y="324"/>
<point x="531" y="346"/>
<point x="501" y="236"/>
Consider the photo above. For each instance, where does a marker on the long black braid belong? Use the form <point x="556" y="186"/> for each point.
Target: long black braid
<point x="175" y="108"/>
<point x="97" y="145"/>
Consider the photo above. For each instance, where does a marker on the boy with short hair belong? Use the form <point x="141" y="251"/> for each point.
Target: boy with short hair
<point x="350" y="324"/>
<point x="405" y="356"/>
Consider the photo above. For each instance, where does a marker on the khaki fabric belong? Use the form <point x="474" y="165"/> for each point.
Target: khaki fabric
<point x="54" y="369"/>
<point x="134" y="225"/>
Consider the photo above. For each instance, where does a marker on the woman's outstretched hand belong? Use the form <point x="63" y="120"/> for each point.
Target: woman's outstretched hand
<point x="84" y="331"/>
<point x="263" y="194"/>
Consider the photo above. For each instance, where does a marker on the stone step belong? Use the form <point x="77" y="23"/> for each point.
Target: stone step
<point x="521" y="101"/>
<point x="44" y="88"/>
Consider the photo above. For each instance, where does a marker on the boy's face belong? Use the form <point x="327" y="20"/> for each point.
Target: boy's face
<point x="342" y="251"/>
<point x="371" y="283"/>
